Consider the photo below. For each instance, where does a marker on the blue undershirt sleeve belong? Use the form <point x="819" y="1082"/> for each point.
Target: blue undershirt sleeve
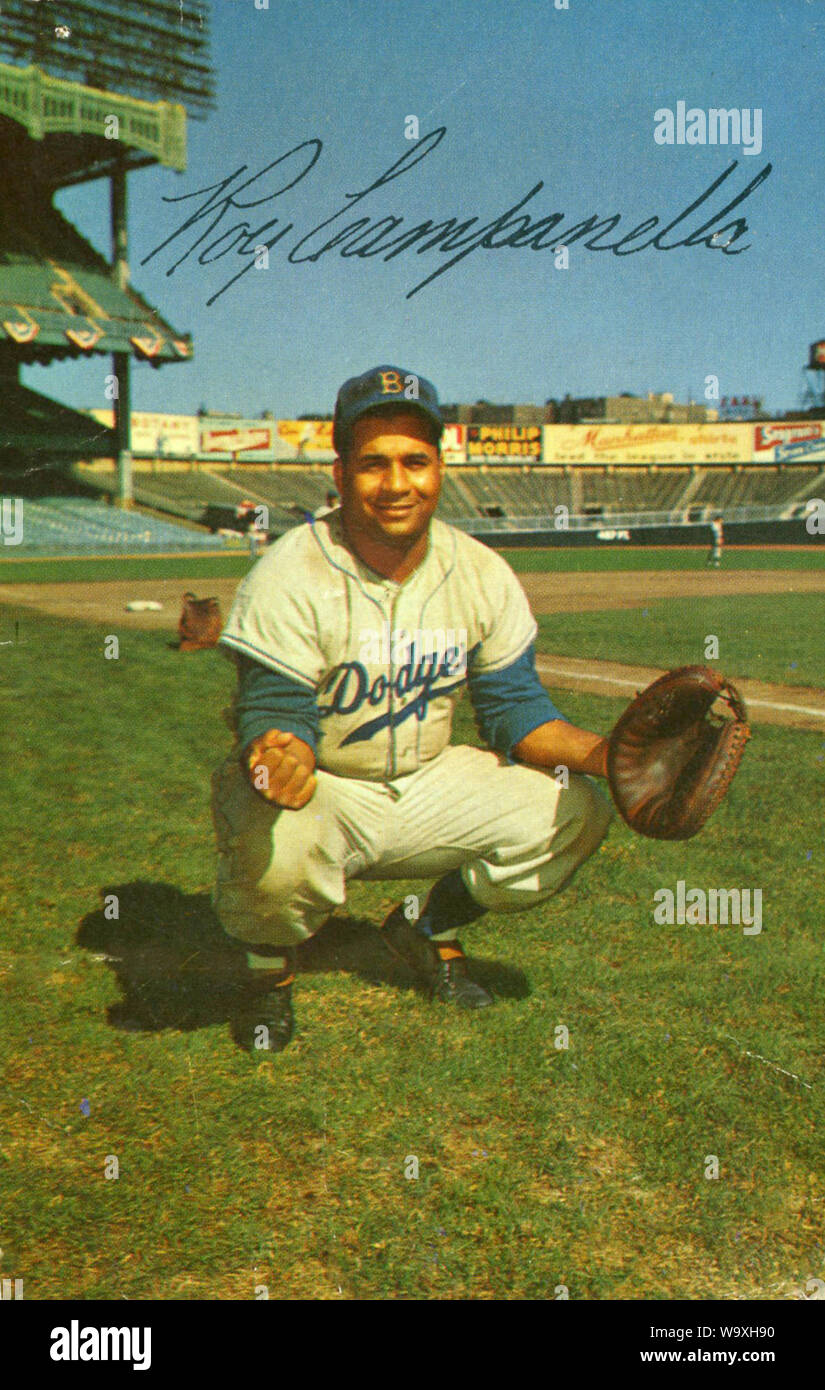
<point x="511" y="703"/>
<point x="267" y="700"/>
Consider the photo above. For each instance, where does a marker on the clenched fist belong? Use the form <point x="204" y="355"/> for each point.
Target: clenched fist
<point x="281" y="768"/>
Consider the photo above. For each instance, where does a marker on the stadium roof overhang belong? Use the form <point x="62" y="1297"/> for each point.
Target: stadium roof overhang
<point x="31" y="424"/>
<point x="78" y="132"/>
<point x="58" y="298"/>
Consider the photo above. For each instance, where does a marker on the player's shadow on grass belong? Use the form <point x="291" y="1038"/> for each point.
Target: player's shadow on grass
<point x="176" y="968"/>
<point x="353" y="945"/>
<point x="173" y="963"/>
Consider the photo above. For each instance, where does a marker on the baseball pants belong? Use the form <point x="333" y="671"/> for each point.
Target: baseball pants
<point x="514" y="833"/>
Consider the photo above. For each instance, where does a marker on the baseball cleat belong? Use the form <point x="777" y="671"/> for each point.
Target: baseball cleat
<point x="454" y="985"/>
<point x="448" y="979"/>
<point x="409" y="945"/>
<point x="265" y="1021"/>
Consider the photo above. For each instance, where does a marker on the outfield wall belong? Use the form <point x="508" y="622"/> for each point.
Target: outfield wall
<point x="755" y="533"/>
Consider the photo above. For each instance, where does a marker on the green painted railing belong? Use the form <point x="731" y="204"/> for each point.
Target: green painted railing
<point x="45" y="105"/>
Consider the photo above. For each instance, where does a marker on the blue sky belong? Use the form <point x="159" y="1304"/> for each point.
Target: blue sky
<point x="526" y="93"/>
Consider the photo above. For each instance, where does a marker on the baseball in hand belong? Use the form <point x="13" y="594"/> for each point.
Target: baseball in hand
<point x="280" y="768"/>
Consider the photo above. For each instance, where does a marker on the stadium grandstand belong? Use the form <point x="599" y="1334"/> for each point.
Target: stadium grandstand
<point x="214" y="469"/>
<point x="74" y="525"/>
<point x="198" y="503"/>
<point x="108" y="102"/>
<point x="500" y="502"/>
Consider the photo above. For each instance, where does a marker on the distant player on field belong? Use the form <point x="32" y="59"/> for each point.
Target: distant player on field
<point x="714" y="559"/>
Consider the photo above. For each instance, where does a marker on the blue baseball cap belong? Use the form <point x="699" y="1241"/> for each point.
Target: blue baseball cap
<point x="381" y="388"/>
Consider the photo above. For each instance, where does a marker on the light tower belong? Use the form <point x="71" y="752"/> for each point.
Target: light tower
<point x="814" y="390"/>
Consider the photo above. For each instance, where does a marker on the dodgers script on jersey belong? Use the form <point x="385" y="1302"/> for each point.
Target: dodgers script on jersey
<point x="387" y="662"/>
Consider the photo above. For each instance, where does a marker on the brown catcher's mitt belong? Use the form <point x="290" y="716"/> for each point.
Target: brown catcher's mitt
<point x="670" y="760"/>
<point x="200" y="623"/>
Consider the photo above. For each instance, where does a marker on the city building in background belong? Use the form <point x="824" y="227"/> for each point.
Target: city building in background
<point x="487" y="413"/>
<point x="656" y="408"/>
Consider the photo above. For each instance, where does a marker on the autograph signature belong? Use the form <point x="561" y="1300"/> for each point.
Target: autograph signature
<point x="212" y="221"/>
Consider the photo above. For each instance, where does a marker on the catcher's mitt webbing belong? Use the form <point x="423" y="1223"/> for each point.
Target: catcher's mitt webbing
<point x="670" y="759"/>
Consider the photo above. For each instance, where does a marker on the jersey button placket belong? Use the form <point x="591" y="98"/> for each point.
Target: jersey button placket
<point x="392" y="770"/>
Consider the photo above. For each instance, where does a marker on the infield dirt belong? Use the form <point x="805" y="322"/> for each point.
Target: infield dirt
<point x="104" y="602"/>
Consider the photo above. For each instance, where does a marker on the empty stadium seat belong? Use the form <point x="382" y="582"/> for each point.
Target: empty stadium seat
<point x="73" y="524"/>
<point x="470" y="495"/>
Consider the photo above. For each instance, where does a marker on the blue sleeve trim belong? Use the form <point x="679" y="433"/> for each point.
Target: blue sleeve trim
<point x="267" y="700"/>
<point x="262" y="658"/>
<point x="511" y="703"/>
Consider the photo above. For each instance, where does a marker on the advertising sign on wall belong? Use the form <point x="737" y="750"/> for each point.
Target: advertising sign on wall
<point x="503" y="441"/>
<point x="237" y="439"/>
<point x="304" y="439"/>
<point x="454" y="444"/>
<point x="775" y="441"/>
<point x="648" y="443"/>
<point x="158" y="436"/>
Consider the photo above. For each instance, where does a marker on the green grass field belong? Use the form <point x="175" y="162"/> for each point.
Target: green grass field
<point x="654" y="557"/>
<point x="538" y="1167"/>
<point x="76" y="568"/>
<point x="769" y="637"/>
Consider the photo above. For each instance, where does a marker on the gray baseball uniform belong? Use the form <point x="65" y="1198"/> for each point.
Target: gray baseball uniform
<point x="383" y="664"/>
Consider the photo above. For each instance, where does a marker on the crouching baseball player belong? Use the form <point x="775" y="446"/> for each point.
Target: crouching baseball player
<point x="354" y="637"/>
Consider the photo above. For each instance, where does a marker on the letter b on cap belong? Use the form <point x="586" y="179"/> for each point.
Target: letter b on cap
<point x="391" y="383"/>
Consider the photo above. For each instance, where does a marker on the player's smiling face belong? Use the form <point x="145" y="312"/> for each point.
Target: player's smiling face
<point x="390" y="481"/>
